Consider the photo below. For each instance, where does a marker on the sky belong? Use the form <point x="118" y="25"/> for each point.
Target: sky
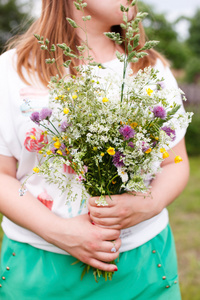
<point x="174" y="9"/>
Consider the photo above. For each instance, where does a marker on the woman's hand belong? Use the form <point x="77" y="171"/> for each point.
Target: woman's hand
<point x="127" y="210"/>
<point x="123" y="211"/>
<point x="90" y="244"/>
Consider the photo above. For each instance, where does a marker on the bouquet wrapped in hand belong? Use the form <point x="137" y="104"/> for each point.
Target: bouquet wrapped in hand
<point x="112" y="131"/>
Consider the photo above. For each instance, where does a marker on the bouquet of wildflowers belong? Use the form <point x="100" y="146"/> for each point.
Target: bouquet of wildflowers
<point x="111" y="131"/>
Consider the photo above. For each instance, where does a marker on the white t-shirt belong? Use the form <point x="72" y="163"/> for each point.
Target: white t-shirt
<point x="17" y="102"/>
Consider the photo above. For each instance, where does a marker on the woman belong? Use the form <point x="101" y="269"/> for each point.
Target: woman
<point x="43" y="238"/>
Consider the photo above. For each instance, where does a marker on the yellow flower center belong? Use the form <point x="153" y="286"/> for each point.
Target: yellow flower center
<point x="57" y="144"/>
<point x="148" y="150"/>
<point x="59" y="152"/>
<point x="74" y="97"/>
<point x="178" y="159"/>
<point x="149" y="91"/>
<point x="162" y="150"/>
<point x="105" y="99"/>
<point x="111" y="151"/>
<point x="66" y="110"/>
<point x="102" y="154"/>
<point x="165" y="154"/>
<point x="36" y="170"/>
<point x="32" y="137"/>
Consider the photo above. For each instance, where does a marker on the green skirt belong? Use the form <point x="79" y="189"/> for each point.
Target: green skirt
<point x="148" y="272"/>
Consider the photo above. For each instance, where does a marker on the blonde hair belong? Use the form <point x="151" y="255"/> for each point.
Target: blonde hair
<point x="52" y="24"/>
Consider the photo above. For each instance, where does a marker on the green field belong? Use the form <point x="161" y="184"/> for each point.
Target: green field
<point x="185" y="222"/>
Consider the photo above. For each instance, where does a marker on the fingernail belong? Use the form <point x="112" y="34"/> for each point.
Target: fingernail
<point x="88" y="213"/>
<point x="92" y="223"/>
<point x="115" y="269"/>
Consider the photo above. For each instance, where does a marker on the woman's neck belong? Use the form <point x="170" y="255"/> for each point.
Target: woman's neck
<point x="100" y="47"/>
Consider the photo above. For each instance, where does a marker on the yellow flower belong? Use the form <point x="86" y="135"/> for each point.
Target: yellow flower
<point x="68" y="89"/>
<point x="66" y="110"/>
<point x="165" y="154"/>
<point x="149" y="91"/>
<point x="111" y="151"/>
<point x="49" y="152"/>
<point x="162" y="150"/>
<point x="57" y="144"/>
<point x="148" y="150"/>
<point x="59" y="152"/>
<point x="36" y="170"/>
<point x="40" y="152"/>
<point x="102" y="154"/>
<point x="56" y="98"/>
<point x="32" y="137"/>
<point x="105" y="100"/>
<point x="54" y="139"/>
<point x="134" y="124"/>
<point x="100" y="67"/>
<point x="67" y="151"/>
<point x="156" y="138"/>
<point x="178" y="159"/>
<point x="74" y="97"/>
<point x="94" y="148"/>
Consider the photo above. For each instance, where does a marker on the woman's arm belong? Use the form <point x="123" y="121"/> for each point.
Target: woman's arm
<point x="127" y="210"/>
<point x="77" y="236"/>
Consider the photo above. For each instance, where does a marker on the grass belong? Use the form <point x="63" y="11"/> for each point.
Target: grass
<point x="185" y="221"/>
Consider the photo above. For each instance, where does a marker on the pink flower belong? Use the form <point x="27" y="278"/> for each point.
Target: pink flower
<point x="35" y="140"/>
<point x="45" y="199"/>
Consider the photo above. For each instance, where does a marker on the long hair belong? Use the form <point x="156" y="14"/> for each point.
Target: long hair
<point x="52" y="24"/>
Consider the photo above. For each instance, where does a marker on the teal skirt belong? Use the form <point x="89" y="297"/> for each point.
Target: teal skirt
<point x="148" y="272"/>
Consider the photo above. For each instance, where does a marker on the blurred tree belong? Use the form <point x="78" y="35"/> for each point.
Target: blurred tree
<point x="14" y="19"/>
<point x="193" y="65"/>
<point x="159" y="28"/>
<point x="194" y="30"/>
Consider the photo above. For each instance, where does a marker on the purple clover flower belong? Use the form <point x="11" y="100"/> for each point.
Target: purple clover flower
<point x="64" y="126"/>
<point x="45" y="113"/>
<point x="159" y="112"/>
<point x="130" y="144"/>
<point x="170" y="132"/>
<point x="118" y="159"/>
<point x="35" y="117"/>
<point x="53" y="150"/>
<point x="161" y="85"/>
<point x="127" y="131"/>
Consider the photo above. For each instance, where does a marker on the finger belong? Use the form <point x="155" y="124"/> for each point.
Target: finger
<point x="109" y="234"/>
<point x="103" y="212"/>
<point x="106" y="257"/>
<point x="102" y="266"/>
<point x="106" y="246"/>
<point x="106" y="222"/>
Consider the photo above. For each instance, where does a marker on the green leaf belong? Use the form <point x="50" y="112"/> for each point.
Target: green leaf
<point x="67" y="63"/>
<point x="37" y="36"/>
<point x="72" y="23"/>
<point x="86" y="18"/>
<point x="50" y="61"/>
<point x="77" y="5"/>
<point x="53" y="48"/>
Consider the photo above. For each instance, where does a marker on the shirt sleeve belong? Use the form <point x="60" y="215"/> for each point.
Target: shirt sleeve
<point x="171" y="83"/>
<point x="6" y="121"/>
